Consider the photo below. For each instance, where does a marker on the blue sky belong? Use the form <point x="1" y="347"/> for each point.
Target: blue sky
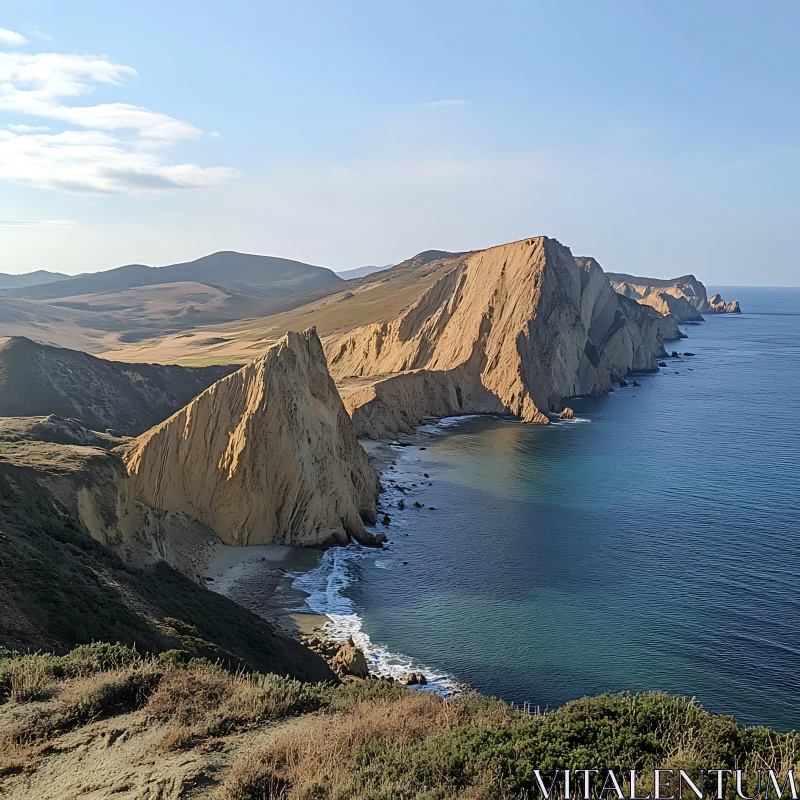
<point x="659" y="138"/>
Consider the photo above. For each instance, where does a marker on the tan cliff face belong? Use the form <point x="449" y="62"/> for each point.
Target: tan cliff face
<point x="513" y="329"/>
<point x="684" y="298"/>
<point x="267" y="454"/>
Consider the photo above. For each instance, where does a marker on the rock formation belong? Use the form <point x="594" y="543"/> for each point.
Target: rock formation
<point x="684" y="298"/>
<point x="513" y="329"/>
<point x="267" y="454"/>
<point x="567" y="413"/>
<point x="717" y="305"/>
<point x="40" y="380"/>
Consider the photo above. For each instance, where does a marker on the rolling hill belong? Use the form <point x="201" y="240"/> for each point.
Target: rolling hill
<point x="261" y="276"/>
<point x="361" y="272"/>
<point x="29" y="279"/>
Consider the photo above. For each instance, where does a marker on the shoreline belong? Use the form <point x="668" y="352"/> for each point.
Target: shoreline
<point x="300" y="589"/>
<point x="252" y="577"/>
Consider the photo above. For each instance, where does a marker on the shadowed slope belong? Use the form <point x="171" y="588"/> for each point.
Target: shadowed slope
<point x="38" y="380"/>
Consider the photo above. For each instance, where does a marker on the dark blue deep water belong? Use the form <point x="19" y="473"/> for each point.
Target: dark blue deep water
<point x="655" y="546"/>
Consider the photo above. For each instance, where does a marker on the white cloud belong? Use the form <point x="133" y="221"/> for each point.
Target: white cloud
<point x="94" y="161"/>
<point x="121" y="147"/>
<point x="446" y="103"/>
<point x="27" y="128"/>
<point x="12" y="38"/>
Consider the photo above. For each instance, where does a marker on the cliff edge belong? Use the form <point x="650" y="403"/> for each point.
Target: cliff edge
<point x="514" y="330"/>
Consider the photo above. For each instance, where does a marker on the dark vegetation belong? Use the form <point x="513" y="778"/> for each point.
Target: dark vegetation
<point x="365" y="738"/>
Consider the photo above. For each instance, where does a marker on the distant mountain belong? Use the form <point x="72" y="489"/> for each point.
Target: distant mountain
<point x="360" y="272"/>
<point x="39" y="380"/>
<point x="29" y="279"/>
<point x="261" y="276"/>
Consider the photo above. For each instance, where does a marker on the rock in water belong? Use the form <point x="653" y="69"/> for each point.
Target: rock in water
<point x="567" y="413"/>
<point x="415" y="679"/>
<point x="267" y="454"/>
<point x="719" y="306"/>
<point x="350" y="660"/>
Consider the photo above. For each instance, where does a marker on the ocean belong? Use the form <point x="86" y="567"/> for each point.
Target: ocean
<point x="651" y="544"/>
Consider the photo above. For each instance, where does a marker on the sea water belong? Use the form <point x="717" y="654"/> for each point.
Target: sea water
<point x="652" y="544"/>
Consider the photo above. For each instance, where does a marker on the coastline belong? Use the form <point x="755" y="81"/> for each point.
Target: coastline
<point x="303" y="590"/>
<point x="253" y="577"/>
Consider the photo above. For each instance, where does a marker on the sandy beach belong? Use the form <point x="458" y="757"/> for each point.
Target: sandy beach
<point x="251" y="577"/>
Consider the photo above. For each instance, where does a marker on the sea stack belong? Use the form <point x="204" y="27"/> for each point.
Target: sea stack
<point x="718" y="306"/>
<point x="267" y="454"/>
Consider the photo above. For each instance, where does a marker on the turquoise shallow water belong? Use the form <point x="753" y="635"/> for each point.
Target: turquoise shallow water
<point x="654" y="546"/>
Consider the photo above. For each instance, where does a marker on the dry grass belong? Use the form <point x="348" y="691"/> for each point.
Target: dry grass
<point x="369" y="739"/>
<point x="319" y="761"/>
<point x="30" y="679"/>
<point x="198" y="704"/>
<point x="419" y="746"/>
<point x="75" y="702"/>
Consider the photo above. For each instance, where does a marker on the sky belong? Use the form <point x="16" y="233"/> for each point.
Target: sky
<point x="660" y="138"/>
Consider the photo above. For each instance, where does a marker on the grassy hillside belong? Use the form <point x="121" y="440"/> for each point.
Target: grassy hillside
<point x="333" y="309"/>
<point x="107" y="721"/>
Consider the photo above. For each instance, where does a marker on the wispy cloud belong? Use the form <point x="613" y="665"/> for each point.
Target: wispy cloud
<point x="27" y="128"/>
<point x="35" y="32"/>
<point x="446" y="103"/>
<point x="38" y="224"/>
<point x="121" y="148"/>
<point x="12" y="38"/>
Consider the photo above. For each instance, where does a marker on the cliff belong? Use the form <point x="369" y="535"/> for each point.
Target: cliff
<point x="267" y="454"/>
<point x="40" y="380"/>
<point x="685" y="298"/>
<point x="514" y="329"/>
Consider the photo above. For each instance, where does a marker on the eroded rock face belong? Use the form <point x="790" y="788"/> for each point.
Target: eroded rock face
<point x="684" y="298"/>
<point x="567" y="413"/>
<point x="513" y="329"/>
<point x="717" y="305"/>
<point x="267" y="454"/>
